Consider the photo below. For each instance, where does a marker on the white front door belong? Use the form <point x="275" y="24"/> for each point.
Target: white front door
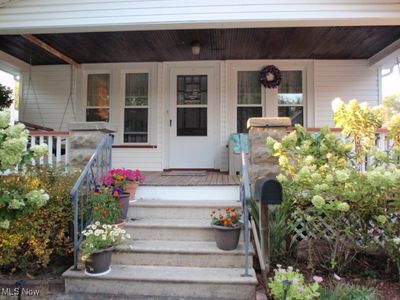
<point x="192" y="113"/>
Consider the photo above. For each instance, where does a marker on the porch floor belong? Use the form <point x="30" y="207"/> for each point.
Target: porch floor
<point x="212" y="178"/>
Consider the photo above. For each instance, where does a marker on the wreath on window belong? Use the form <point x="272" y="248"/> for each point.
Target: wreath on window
<point x="270" y="77"/>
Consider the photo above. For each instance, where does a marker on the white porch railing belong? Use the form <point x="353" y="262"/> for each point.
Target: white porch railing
<point x="57" y="145"/>
<point x="382" y="140"/>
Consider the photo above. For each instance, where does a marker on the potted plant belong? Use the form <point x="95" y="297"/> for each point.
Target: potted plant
<point x="96" y="248"/>
<point x="227" y="227"/>
<point x="105" y="209"/>
<point x="135" y="177"/>
<point x="124" y="180"/>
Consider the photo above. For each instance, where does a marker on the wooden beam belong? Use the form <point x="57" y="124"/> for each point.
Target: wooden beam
<point x="50" y="49"/>
<point x="385" y="55"/>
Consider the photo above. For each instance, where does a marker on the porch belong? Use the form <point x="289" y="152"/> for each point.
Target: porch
<point x="198" y="178"/>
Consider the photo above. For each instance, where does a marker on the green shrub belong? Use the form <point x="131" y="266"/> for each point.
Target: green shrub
<point x="349" y="292"/>
<point x="41" y="237"/>
<point x="290" y="284"/>
<point x="324" y="181"/>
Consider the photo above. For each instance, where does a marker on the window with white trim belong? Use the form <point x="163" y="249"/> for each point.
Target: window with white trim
<point x="98" y="98"/>
<point x="249" y="98"/>
<point x="136" y="111"/>
<point x="291" y="97"/>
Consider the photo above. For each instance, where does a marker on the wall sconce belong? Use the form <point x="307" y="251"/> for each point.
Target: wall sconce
<point x="195" y="47"/>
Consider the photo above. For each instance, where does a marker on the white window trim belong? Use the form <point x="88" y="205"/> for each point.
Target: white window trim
<point x="151" y="138"/>
<point x="85" y="90"/>
<point x="270" y="98"/>
<point x="262" y="104"/>
<point x="123" y="90"/>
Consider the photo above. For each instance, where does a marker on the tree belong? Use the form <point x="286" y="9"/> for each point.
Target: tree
<point x="6" y="97"/>
<point x="391" y="105"/>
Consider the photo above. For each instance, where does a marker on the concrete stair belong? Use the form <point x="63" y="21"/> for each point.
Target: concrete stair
<point x="211" y="283"/>
<point x="173" y="255"/>
<point x="179" y="253"/>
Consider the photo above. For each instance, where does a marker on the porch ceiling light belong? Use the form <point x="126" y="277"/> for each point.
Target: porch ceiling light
<point x="195" y="47"/>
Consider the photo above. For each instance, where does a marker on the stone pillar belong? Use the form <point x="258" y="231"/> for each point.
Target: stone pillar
<point x="84" y="138"/>
<point x="262" y="164"/>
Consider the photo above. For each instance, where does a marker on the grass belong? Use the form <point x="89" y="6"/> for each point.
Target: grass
<point x="349" y="292"/>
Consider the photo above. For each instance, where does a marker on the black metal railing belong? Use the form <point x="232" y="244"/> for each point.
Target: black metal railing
<point x="245" y="197"/>
<point x="97" y="167"/>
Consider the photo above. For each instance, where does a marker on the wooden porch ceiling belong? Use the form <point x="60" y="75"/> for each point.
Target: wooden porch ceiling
<point x="216" y="44"/>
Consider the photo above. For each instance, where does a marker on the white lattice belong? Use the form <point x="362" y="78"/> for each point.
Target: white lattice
<point x="366" y="235"/>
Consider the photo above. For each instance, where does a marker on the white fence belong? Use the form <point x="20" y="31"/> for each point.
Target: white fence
<point x="57" y="145"/>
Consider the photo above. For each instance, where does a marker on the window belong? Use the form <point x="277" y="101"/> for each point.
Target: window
<point x="136" y="114"/>
<point x="192" y="105"/>
<point x="98" y="98"/>
<point x="249" y="103"/>
<point x="291" y="97"/>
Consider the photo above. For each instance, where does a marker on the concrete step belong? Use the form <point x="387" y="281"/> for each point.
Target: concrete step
<point x="206" y="283"/>
<point x="185" y="193"/>
<point x="164" y="209"/>
<point x="179" y="253"/>
<point x="171" y="229"/>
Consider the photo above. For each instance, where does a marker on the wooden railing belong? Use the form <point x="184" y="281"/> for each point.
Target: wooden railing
<point x="57" y="145"/>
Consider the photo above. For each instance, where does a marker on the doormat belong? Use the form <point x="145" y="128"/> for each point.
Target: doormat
<point x="184" y="173"/>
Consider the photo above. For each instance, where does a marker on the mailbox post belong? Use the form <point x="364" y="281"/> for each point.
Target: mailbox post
<point x="267" y="191"/>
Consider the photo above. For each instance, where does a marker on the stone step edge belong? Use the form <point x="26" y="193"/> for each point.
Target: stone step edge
<point x="194" y="225"/>
<point x="184" y="278"/>
<point x="237" y="252"/>
<point x="185" y="204"/>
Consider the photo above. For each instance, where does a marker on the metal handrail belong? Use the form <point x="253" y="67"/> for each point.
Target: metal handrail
<point x="97" y="167"/>
<point x="245" y="197"/>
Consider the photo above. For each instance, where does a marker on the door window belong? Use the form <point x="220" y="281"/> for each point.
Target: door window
<point x="192" y="100"/>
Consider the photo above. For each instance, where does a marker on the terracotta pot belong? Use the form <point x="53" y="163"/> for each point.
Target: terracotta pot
<point x="124" y="202"/>
<point x="99" y="262"/>
<point x="131" y="189"/>
<point x="227" y="238"/>
<point x="120" y="223"/>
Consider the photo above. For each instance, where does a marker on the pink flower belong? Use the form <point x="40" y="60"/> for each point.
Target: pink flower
<point x="318" y="279"/>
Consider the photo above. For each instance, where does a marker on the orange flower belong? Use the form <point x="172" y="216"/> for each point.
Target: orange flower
<point x="104" y="213"/>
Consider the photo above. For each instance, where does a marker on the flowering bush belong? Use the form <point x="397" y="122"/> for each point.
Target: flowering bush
<point x="39" y="237"/>
<point x="120" y="177"/>
<point x="101" y="236"/>
<point x="13" y="142"/>
<point x="289" y="284"/>
<point x="322" y="178"/>
<point x="228" y="218"/>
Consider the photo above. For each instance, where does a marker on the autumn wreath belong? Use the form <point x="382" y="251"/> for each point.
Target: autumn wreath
<point x="273" y="82"/>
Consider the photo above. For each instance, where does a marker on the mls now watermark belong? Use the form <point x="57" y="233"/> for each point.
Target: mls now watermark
<point x="19" y="291"/>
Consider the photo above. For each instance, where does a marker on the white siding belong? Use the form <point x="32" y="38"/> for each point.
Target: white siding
<point x="325" y="80"/>
<point x="143" y="159"/>
<point x="347" y="79"/>
<point x="46" y="96"/>
<point x="91" y="15"/>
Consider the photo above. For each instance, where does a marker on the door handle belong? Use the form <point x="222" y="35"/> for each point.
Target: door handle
<point x="170" y="123"/>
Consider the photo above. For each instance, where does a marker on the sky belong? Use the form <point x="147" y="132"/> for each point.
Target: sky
<point x="391" y="83"/>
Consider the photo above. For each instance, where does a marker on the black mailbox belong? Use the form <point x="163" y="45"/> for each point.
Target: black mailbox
<point x="268" y="191"/>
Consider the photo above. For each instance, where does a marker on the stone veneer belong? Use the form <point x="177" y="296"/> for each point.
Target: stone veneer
<point x="261" y="163"/>
<point x="84" y="138"/>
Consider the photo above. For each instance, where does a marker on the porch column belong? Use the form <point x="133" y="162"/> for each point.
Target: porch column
<point x="262" y="164"/>
<point x="84" y="138"/>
